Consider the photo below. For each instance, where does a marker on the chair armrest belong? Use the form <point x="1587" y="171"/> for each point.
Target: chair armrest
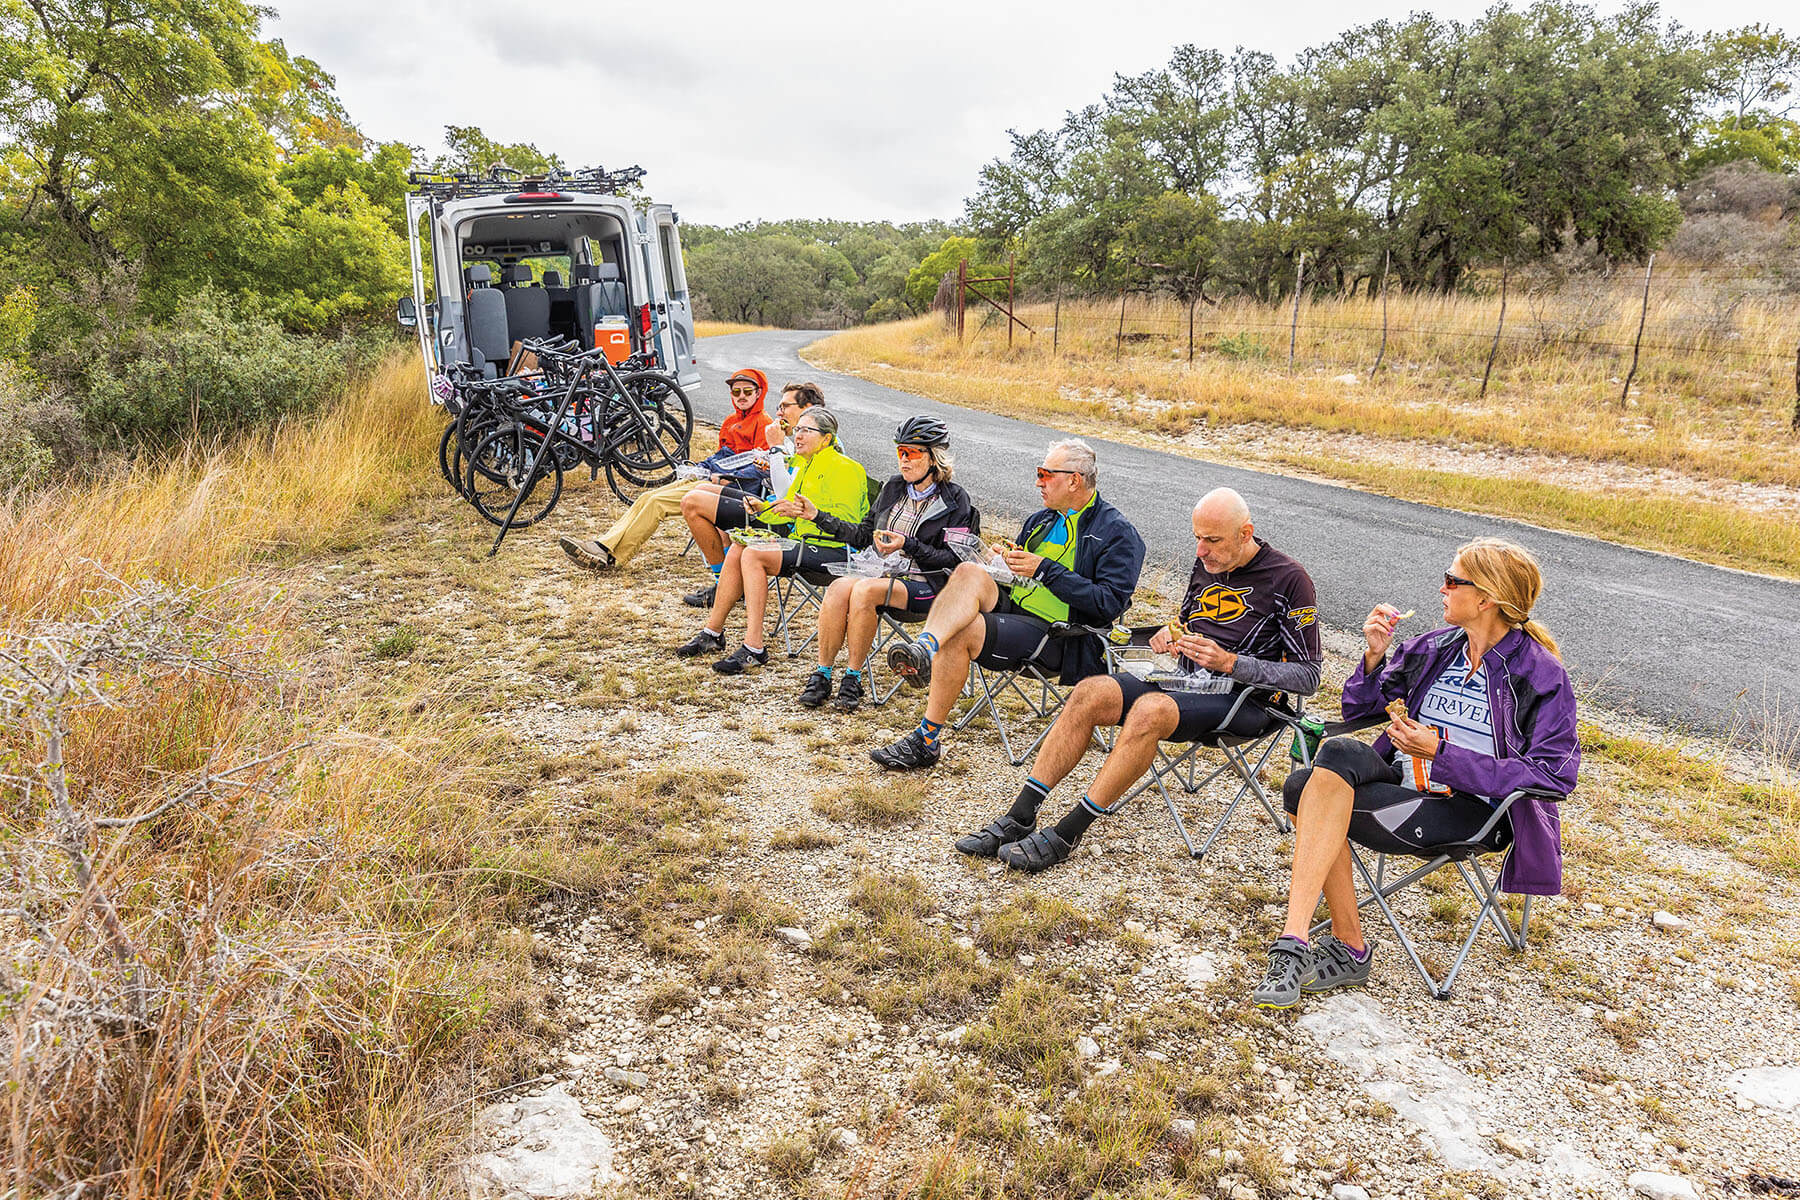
<point x="1501" y="808"/>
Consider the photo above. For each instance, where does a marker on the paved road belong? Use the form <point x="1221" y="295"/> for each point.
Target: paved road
<point x="1686" y="644"/>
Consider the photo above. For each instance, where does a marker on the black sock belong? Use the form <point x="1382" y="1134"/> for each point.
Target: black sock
<point x="1025" y="808"/>
<point x="1076" y="821"/>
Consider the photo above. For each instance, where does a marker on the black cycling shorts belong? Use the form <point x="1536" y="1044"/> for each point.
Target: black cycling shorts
<point x="732" y="514"/>
<point x="1200" y="712"/>
<point x="1389" y="818"/>
<point x="809" y="559"/>
<point x="909" y="597"/>
<point x="1012" y="634"/>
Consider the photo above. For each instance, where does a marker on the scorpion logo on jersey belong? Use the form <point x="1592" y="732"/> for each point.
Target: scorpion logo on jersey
<point x="1221" y="604"/>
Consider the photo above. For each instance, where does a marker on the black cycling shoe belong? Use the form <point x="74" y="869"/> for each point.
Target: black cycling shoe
<point x="741" y="660"/>
<point x="1038" y="852"/>
<point x="703" y="598"/>
<point x="986" y="843"/>
<point x="704" y="642"/>
<point x="911" y="663"/>
<point x="816" y="691"/>
<point x="909" y="753"/>
<point x="850" y="694"/>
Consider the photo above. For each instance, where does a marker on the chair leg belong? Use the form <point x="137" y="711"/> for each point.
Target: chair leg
<point x="1406" y="943"/>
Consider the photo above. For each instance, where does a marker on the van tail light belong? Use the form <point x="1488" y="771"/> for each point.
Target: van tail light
<point x="644" y="320"/>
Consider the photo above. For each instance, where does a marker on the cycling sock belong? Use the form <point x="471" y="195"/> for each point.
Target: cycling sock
<point x="927" y="643"/>
<point x="1359" y="953"/>
<point x="1075" y="822"/>
<point x="929" y="730"/>
<point x="825" y="671"/>
<point x="715" y="568"/>
<point x="849" y="673"/>
<point x="1025" y="808"/>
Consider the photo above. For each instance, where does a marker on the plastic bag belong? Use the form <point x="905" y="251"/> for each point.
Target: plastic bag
<point x="751" y="540"/>
<point x="972" y="549"/>
<point x="779" y="479"/>
<point x="870" y="564"/>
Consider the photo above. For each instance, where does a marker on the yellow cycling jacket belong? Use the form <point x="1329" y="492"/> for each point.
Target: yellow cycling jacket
<point x="836" y="484"/>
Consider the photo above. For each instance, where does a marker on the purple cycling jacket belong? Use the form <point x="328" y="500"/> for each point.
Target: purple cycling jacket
<point x="1535" y="741"/>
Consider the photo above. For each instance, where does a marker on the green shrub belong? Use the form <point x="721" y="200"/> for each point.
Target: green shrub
<point x="1242" y="345"/>
<point x="24" y="461"/>
<point x="213" y="369"/>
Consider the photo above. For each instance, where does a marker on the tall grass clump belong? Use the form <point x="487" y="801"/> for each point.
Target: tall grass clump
<point x="240" y="925"/>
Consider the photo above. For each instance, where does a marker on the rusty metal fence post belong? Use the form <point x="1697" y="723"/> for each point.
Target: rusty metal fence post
<point x="1119" y="341"/>
<point x="1056" y="320"/>
<point x="1387" y="263"/>
<point x="1494" y="348"/>
<point x="1643" y="315"/>
<point x="1191" y="304"/>
<point x="962" y="291"/>
<point x="1294" y="329"/>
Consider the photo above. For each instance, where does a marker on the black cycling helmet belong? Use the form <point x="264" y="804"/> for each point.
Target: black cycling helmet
<point x="922" y="431"/>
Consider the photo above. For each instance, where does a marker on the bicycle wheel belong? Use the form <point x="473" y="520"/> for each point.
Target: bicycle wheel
<point x="657" y="392"/>
<point x="627" y="475"/>
<point x="446" y="455"/>
<point x="468" y="435"/>
<point x="498" y="468"/>
<point x="636" y="453"/>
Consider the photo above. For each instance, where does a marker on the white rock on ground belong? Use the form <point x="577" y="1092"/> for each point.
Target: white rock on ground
<point x="798" y="938"/>
<point x="1087" y="1047"/>
<point x="1348" y="1191"/>
<point x="542" y="1146"/>
<point x="1200" y="969"/>
<point x="1669" y="921"/>
<point x="1660" y="1186"/>
<point x="1771" y="1087"/>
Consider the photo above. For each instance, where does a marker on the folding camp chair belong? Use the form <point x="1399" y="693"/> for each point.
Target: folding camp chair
<point x="795" y="596"/>
<point x="1245" y="756"/>
<point x="991" y="678"/>
<point x="1466" y="858"/>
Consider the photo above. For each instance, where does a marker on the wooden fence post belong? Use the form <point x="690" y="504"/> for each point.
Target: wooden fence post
<point x="1294" y="329"/>
<point x="1010" y="256"/>
<point x="1387" y="262"/>
<point x="962" y="291"/>
<point x="1196" y="300"/>
<point x="1119" y="341"/>
<point x="1056" y="320"/>
<point x="1643" y="315"/>
<point x="1494" y="349"/>
<point x="1797" y="388"/>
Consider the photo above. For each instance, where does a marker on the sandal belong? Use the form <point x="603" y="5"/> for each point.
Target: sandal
<point x="1039" y="852"/>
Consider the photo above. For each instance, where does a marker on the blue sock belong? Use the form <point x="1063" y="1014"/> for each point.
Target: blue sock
<point x="929" y="730"/>
<point x="849" y="673"/>
<point x="715" y="568"/>
<point x="825" y="671"/>
<point x="927" y="643"/>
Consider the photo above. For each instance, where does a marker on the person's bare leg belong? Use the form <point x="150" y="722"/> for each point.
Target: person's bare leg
<point x="700" y="509"/>
<point x="755" y="567"/>
<point x="731" y="587"/>
<point x="1095" y="701"/>
<point x="950" y="666"/>
<point x="1340" y="900"/>
<point x="834" y="616"/>
<point x="969" y="592"/>
<point x="869" y="595"/>
<point x="1322" y="850"/>
<point x="1151" y="719"/>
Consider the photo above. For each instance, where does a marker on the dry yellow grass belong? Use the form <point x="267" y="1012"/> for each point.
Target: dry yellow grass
<point x="723" y="328"/>
<point x="1697" y="410"/>
<point x="306" y="948"/>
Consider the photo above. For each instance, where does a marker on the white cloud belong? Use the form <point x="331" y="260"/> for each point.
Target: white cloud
<point x="760" y="111"/>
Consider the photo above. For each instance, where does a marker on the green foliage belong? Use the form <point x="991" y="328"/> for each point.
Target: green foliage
<point x="1449" y="145"/>
<point x="214" y="369"/>
<point x="18" y="321"/>
<point x="922" y="281"/>
<point x="24" y="461"/>
<point x="469" y="150"/>
<point x="1772" y="143"/>
<point x="816" y="273"/>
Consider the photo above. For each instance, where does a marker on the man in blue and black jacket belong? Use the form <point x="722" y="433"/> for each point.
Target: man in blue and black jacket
<point x="1076" y="560"/>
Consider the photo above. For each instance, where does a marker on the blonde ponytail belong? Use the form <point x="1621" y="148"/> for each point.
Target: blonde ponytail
<point x="1510" y="577"/>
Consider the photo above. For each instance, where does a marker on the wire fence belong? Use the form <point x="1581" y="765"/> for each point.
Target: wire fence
<point x="1737" y="333"/>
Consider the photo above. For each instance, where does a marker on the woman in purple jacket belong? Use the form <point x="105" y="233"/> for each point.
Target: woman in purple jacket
<point x="1488" y="709"/>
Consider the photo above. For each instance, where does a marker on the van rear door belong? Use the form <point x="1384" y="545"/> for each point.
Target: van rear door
<point x="678" y="317"/>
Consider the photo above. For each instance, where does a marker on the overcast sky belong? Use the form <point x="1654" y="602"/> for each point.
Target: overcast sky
<point x="750" y="110"/>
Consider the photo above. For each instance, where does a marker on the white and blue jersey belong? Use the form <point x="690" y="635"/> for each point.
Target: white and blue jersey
<point x="1457" y="706"/>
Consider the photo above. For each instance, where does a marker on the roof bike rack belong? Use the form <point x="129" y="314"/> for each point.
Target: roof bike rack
<point x="501" y="181"/>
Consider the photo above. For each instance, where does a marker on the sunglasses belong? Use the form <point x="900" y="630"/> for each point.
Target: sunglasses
<point x="743" y="391"/>
<point x="1044" y="473"/>
<point x="1456" y="581"/>
<point x="909" y="453"/>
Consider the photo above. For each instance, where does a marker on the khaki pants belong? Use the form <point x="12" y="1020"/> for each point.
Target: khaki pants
<point x="629" y="533"/>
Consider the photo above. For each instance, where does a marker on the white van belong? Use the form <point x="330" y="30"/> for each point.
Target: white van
<point x="564" y="255"/>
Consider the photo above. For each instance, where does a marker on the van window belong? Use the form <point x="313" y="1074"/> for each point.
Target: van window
<point x="671" y="256"/>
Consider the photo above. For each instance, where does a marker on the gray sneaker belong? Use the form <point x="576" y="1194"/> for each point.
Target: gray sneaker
<point x="1289" y="960"/>
<point x="1333" y="966"/>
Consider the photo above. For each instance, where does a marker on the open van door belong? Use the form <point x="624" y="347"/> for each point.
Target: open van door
<point x="418" y="226"/>
<point x="677" y="332"/>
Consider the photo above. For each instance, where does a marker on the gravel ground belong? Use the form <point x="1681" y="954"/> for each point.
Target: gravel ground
<point x="1607" y="1048"/>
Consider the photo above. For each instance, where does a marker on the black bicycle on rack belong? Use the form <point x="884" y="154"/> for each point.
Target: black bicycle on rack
<point x="514" y="439"/>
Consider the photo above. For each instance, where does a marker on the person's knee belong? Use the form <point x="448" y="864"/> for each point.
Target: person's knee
<point x="1339" y="755"/>
<point x="1292" y="786"/>
<point x="1153" y="716"/>
<point x="967" y="575"/>
<point x="1095" y="694"/>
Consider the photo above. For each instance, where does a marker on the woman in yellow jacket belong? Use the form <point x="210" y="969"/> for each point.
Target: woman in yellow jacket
<point x="823" y="480"/>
